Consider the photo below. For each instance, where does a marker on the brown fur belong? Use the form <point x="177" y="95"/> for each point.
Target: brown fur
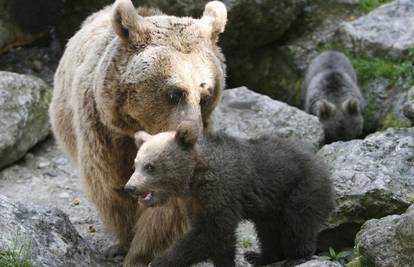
<point x="123" y="72"/>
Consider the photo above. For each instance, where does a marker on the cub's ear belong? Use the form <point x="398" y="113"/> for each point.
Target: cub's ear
<point x="128" y="25"/>
<point x="186" y="134"/>
<point x="141" y="137"/>
<point x="351" y="105"/>
<point x="215" y="18"/>
<point x="324" y="109"/>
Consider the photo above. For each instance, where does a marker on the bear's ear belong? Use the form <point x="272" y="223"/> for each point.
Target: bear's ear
<point x="186" y="134"/>
<point x="215" y="18"/>
<point x="324" y="109"/>
<point x="351" y="105"/>
<point x="141" y="137"/>
<point x="128" y="25"/>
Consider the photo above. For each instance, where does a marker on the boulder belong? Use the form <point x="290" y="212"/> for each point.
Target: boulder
<point x="385" y="107"/>
<point x="388" y="241"/>
<point x="53" y="182"/>
<point x="246" y="114"/>
<point x="386" y="30"/>
<point x="409" y="106"/>
<point x="24" y="102"/>
<point x="46" y="237"/>
<point x="319" y="263"/>
<point x="372" y="178"/>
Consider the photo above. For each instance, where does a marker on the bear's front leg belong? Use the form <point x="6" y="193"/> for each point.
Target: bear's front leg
<point x="211" y="237"/>
<point x="104" y="178"/>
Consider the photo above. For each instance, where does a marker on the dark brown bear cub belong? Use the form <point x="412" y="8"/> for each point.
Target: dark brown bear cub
<point x="285" y="191"/>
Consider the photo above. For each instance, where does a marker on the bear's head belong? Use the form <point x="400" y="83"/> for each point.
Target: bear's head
<point x="161" y="70"/>
<point x="165" y="164"/>
<point x="343" y="121"/>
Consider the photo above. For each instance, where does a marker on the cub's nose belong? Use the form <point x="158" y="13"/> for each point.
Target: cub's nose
<point x="130" y="189"/>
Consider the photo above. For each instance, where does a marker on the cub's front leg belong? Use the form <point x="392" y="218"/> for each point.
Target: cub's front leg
<point x="211" y="237"/>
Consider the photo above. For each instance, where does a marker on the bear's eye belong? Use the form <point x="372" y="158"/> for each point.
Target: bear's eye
<point x="149" y="167"/>
<point x="175" y="96"/>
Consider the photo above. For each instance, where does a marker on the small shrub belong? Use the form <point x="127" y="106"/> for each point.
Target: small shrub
<point x="341" y="257"/>
<point x="367" y="6"/>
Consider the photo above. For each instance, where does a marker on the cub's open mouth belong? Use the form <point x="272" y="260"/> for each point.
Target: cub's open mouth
<point x="144" y="197"/>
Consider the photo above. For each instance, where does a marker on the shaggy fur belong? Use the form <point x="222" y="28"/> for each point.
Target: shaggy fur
<point x="123" y="71"/>
<point x="331" y="93"/>
<point x="285" y="191"/>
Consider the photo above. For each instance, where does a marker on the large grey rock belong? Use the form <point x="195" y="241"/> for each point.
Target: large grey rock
<point x="386" y="30"/>
<point x="372" y="178"/>
<point x="319" y="263"/>
<point x="386" y="103"/>
<point x="409" y="106"/>
<point x="48" y="235"/>
<point x="246" y="114"/>
<point x="24" y="121"/>
<point x="46" y="178"/>
<point x="389" y="241"/>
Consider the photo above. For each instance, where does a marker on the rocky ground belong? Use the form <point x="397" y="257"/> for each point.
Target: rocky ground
<point x="44" y="213"/>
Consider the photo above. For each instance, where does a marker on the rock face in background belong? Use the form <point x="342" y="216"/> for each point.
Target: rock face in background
<point x="246" y="114"/>
<point x="47" y="235"/>
<point x="385" y="31"/>
<point x="388" y="241"/>
<point x="24" y="102"/>
<point x="22" y="22"/>
<point x="372" y="178"/>
<point x="409" y="106"/>
<point x="251" y="24"/>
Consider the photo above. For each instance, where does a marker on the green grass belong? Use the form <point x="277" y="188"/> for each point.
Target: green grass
<point x="369" y="5"/>
<point x="17" y="255"/>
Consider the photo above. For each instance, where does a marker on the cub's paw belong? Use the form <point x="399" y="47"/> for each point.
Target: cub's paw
<point x="115" y="251"/>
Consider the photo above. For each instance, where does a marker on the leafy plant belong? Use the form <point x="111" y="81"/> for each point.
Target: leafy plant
<point x="369" y="5"/>
<point x="341" y="257"/>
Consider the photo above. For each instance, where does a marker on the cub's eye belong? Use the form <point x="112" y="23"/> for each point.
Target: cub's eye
<point x="149" y="167"/>
<point x="204" y="101"/>
<point x="175" y="96"/>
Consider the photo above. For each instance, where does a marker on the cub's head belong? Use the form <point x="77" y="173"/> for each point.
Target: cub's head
<point x="162" y="70"/>
<point x="164" y="165"/>
<point x="343" y="121"/>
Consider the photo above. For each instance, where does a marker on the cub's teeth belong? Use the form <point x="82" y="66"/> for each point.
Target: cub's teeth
<point x="148" y="196"/>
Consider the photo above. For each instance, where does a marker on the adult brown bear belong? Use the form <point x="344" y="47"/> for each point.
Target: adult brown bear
<point x="127" y="70"/>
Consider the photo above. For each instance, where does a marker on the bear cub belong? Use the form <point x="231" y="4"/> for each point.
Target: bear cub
<point x="331" y="93"/>
<point x="285" y="191"/>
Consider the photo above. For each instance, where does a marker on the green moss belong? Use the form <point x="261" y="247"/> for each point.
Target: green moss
<point x="370" y="116"/>
<point x="392" y="121"/>
<point x="369" y="5"/>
